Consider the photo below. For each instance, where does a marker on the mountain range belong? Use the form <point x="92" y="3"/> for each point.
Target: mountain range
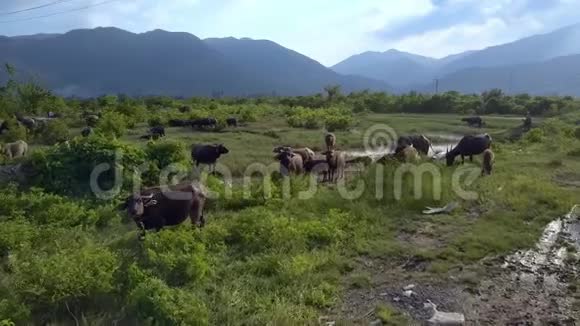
<point x="91" y="62"/>
<point x="540" y="64"/>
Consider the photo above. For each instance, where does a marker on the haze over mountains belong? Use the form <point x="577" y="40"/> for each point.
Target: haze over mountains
<point x="526" y="65"/>
<point x="92" y="62"/>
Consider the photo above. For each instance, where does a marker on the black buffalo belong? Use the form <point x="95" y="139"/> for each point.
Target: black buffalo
<point x="3" y="127"/>
<point x="158" y="130"/>
<point x="179" y="123"/>
<point x="207" y="154"/>
<point x="473" y="121"/>
<point x="468" y="146"/>
<point x="155" y="208"/>
<point x="204" y="123"/>
<point x="232" y="122"/>
<point x="87" y="131"/>
<point x="420" y="142"/>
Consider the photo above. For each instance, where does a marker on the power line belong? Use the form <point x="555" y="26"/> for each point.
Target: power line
<point x="34" y="8"/>
<point x="58" y="13"/>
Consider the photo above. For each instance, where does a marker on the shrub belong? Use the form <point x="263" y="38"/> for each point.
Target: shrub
<point x="534" y="136"/>
<point x="68" y="169"/>
<point x="577" y="133"/>
<point x="153" y="301"/>
<point x="112" y="124"/>
<point x="83" y="272"/>
<point x="15" y="132"/>
<point x="55" y="131"/>
<point x="340" y="122"/>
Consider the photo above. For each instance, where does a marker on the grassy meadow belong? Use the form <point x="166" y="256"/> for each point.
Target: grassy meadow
<point x="68" y="258"/>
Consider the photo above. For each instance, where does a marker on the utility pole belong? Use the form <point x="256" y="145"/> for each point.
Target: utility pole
<point x="436" y="82"/>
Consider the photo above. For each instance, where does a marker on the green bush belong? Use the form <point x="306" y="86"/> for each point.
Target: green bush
<point x="67" y="169"/>
<point x="112" y="124"/>
<point x="55" y="131"/>
<point x="83" y="272"/>
<point x="16" y="132"/>
<point x="534" y="136"/>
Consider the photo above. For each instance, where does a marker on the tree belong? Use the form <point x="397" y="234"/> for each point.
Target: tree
<point x="332" y="92"/>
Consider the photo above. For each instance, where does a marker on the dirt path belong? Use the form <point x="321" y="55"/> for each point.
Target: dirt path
<point x="533" y="287"/>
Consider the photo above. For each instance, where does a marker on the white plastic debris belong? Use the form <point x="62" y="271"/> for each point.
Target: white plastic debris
<point x="444" y="318"/>
<point x="408" y="293"/>
<point x="409" y="287"/>
<point x="441" y="210"/>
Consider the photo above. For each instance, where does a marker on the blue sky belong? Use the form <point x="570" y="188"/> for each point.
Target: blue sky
<point x="326" y="30"/>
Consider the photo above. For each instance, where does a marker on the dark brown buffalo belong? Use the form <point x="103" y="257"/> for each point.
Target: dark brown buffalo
<point x="290" y="162"/>
<point x="487" y="164"/>
<point x="155" y="208"/>
<point x="207" y="154"/>
<point x="420" y="142"/>
<point x="232" y="122"/>
<point x="87" y="131"/>
<point x="468" y="146"/>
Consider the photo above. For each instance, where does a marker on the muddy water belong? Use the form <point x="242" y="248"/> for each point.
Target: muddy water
<point x="441" y="143"/>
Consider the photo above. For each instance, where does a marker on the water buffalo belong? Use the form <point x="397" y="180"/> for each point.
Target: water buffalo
<point x="184" y="109"/>
<point x="150" y="137"/>
<point x="473" y="121"/>
<point x="330" y="140"/>
<point x="232" y="122"/>
<point x="290" y="163"/>
<point x="87" y="131"/>
<point x="468" y="146"/>
<point x="3" y="127"/>
<point x="158" y="130"/>
<point x="306" y="153"/>
<point x="204" y="123"/>
<point x="420" y="142"/>
<point x="317" y="166"/>
<point x="487" y="164"/>
<point x="154" y="208"/>
<point x="179" y="123"/>
<point x="207" y="154"/>
<point x="336" y="163"/>
<point x="27" y="122"/>
<point x="408" y="154"/>
<point x="16" y="149"/>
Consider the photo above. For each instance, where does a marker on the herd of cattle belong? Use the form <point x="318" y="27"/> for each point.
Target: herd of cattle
<point x="154" y="209"/>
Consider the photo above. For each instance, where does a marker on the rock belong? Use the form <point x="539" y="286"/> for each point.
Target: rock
<point x="377" y="322"/>
<point x="409" y="287"/>
<point x="408" y="293"/>
<point x="447" y="318"/>
<point x="396" y="299"/>
<point x="384" y="294"/>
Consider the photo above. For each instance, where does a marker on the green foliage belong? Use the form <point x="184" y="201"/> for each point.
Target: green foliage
<point x="16" y="132"/>
<point x="53" y="132"/>
<point x="112" y="124"/>
<point x="534" y="136"/>
<point x="332" y="118"/>
<point x="67" y="168"/>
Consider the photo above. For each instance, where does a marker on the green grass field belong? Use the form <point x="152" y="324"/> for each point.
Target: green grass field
<point x="282" y="260"/>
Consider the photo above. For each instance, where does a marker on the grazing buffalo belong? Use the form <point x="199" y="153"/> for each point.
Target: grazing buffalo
<point x="408" y="154"/>
<point x="232" y="122"/>
<point x="3" y="127"/>
<point x="487" y="164"/>
<point x="336" y="164"/>
<point x="317" y="166"/>
<point x="290" y="163"/>
<point x="306" y="153"/>
<point x="527" y="123"/>
<point x="87" y="131"/>
<point x="204" y="123"/>
<point x="330" y="140"/>
<point x="158" y="130"/>
<point x="154" y="208"/>
<point x="208" y="154"/>
<point x="27" y="122"/>
<point x="184" y="109"/>
<point x="468" y="146"/>
<point x="420" y="142"/>
<point x="473" y="121"/>
<point x="179" y="123"/>
<point x="16" y="149"/>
